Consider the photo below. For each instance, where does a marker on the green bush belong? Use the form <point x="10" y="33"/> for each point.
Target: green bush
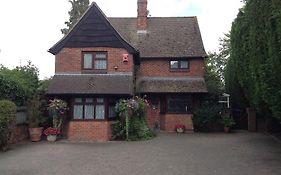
<point x="118" y="131"/>
<point x="208" y="118"/>
<point x="227" y="121"/>
<point x="7" y="121"/>
<point x="131" y="124"/>
<point x="18" y="84"/>
<point x="11" y="90"/>
<point x="139" y="130"/>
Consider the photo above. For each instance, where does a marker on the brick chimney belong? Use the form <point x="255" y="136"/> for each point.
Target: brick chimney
<point x="142" y="14"/>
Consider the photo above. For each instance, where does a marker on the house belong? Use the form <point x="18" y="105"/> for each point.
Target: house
<point x="102" y="60"/>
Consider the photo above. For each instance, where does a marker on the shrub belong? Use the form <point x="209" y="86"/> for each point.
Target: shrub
<point x="208" y="118"/>
<point x="131" y="124"/>
<point x="139" y="129"/>
<point x="22" y="83"/>
<point x="227" y="121"/>
<point x="11" y="90"/>
<point x="7" y="122"/>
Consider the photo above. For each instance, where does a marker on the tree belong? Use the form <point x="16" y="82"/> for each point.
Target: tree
<point x="76" y="12"/>
<point x="215" y="65"/>
<point x="19" y="84"/>
<point x="255" y="56"/>
<point x="216" y="61"/>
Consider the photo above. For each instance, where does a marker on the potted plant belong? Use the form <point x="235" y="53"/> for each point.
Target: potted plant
<point x="52" y="133"/>
<point x="228" y="122"/>
<point x="180" y="128"/>
<point x="34" y="116"/>
<point x="57" y="108"/>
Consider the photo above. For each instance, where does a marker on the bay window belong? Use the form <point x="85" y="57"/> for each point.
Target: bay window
<point x="94" y="108"/>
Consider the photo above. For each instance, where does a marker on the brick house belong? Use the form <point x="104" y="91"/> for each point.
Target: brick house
<point x="103" y="60"/>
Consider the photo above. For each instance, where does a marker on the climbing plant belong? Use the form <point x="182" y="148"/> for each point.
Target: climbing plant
<point x="131" y="124"/>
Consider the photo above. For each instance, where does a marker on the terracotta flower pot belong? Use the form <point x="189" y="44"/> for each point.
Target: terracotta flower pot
<point x="35" y="134"/>
<point x="226" y="129"/>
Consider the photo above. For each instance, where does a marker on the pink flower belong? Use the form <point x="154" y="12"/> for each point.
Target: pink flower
<point x="51" y="131"/>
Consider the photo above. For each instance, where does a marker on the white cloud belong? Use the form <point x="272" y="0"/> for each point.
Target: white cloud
<point x="29" y="28"/>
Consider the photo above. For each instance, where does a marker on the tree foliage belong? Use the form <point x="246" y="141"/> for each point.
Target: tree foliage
<point x="78" y="7"/>
<point x="19" y="84"/>
<point x="215" y="65"/>
<point x="7" y="122"/>
<point x="255" y="63"/>
<point x="216" y="61"/>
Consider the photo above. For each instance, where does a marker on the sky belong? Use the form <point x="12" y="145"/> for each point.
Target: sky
<point x="29" y="28"/>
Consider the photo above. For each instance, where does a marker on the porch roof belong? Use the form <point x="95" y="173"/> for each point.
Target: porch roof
<point x="91" y="84"/>
<point x="171" y="85"/>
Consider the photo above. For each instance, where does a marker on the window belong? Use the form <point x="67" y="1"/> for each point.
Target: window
<point x="111" y="108"/>
<point x="179" y="65"/>
<point x="94" y="60"/>
<point x="100" y="108"/>
<point x="94" y="108"/>
<point x="88" y="61"/>
<point x="78" y="109"/>
<point x="179" y="104"/>
<point x="89" y="108"/>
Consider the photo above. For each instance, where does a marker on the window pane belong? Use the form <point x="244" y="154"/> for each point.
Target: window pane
<point x="89" y="112"/>
<point x="99" y="100"/>
<point x="78" y="112"/>
<point x="89" y="100"/>
<point x="178" y="105"/>
<point x="99" y="111"/>
<point x="100" y="64"/>
<point x="88" y="64"/>
<point x="184" y="64"/>
<point x="78" y="100"/>
<point x="111" y="112"/>
<point x="101" y="55"/>
<point x="174" y="64"/>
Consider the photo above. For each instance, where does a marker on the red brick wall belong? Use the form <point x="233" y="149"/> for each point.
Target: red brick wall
<point x="161" y="67"/>
<point x="142" y="14"/>
<point x="89" y="130"/>
<point x="168" y="121"/>
<point x="153" y="116"/>
<point x="69" y="59"/>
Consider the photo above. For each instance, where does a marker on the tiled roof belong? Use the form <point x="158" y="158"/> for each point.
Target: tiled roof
<point x="91" y="84"/>
<point x="171" y="85"/>
<point x="164" y="37"/>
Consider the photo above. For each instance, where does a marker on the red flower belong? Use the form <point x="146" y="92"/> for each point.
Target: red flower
<point x="180" y="126"/>
<point x="51" y="131"/>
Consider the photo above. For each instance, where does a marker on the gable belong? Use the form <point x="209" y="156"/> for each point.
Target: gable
<point x="92" y="30"/>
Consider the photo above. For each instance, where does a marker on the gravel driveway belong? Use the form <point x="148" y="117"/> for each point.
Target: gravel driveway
<point x="240" y="153"/>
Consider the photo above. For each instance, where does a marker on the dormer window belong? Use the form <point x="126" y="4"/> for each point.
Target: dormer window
<point x="179" y="65"/>
<point x="94" y="61"/>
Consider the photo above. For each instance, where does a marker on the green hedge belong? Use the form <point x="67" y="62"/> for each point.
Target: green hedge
<point x="11" y="90"/>
<point x="7" y="121"/>
<point x="208" y="118"/>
